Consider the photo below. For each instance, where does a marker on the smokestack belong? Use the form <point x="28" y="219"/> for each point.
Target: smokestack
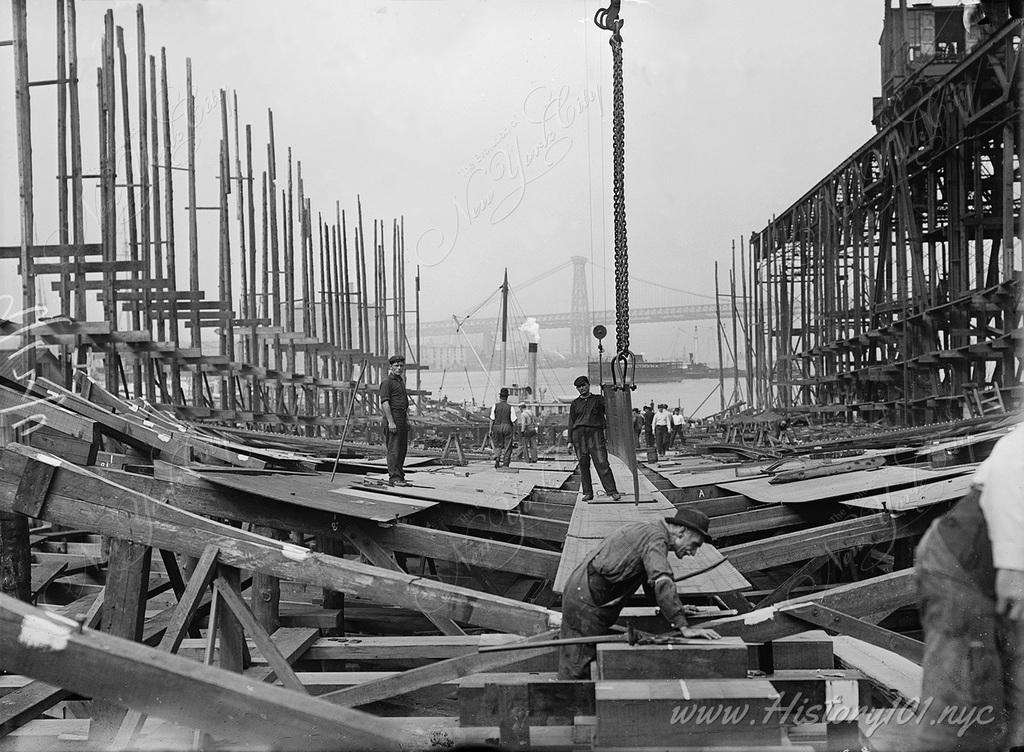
<point x="531" y="369"/>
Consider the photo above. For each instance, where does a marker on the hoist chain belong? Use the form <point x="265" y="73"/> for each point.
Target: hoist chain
<point x="609" y="20"/>
<point x="619" y="197"/>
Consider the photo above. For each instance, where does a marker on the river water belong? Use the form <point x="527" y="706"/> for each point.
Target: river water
<point x="696" y="397"/>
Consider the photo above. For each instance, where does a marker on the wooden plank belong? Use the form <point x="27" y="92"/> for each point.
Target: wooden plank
<point x="167" y="686"/>
<point x="316" y="491"/>
<point x="33" y="487"/>
<point x="867" y="598"/>
<point x="81" y="499"/>
<point x="830" y="618"/>
<point x="915" y="497"/>
<point x="436" y="673"/>
<point x="592" y="523"/>
<point x="766" y="553"/>
<point x="713" y="659"/>
<point x="840" y="486"/>
<point x="898" y="676"/>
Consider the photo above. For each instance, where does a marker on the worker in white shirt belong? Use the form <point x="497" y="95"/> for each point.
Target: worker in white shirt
<point x="662" y="423"/>
<point x="970" y="569"/>
<point x="677" y="428"/>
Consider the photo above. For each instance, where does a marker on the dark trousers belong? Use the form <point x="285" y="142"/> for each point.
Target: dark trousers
<point x="501" y="438"/>
<point x="398" y="443"/>
<point x="972" y="693"/>
<point x="661" y="438"/>
<point x="581" y="617"/>
<point x="589" y="444"/>
<point x="676" y="431"/>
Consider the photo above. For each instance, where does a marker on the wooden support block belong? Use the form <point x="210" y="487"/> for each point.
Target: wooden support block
<point x="815" y="696"/>
<point x="718" y="659"/>
<point x="516" y="701"/>
<point x="33" y="487"/>
<point x="696" y="713"/>
<point x="812" y="649"/>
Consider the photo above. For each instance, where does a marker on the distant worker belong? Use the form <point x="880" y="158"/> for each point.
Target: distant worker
<point x="394" y="403"/>
<point x="587" y="421"/>
<point x="662" y="422"/>
<point x="649" y="425"/>
<point x="678" y="421"/>
<point x="527" y="425"/>
<point x="633" y="556"/>
<point x="970" y="571"/>
<point x="638" y="425"/>
<point x="503" y="418"/>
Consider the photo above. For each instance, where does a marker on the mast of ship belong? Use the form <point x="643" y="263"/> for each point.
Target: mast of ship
<point x="504" y="328"/>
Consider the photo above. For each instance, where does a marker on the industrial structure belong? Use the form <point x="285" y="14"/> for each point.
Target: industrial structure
<point x="894" y="285"/>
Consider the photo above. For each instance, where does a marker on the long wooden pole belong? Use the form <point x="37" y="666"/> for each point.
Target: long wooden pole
<point x="718" y="329"/>
<point x="75" y="131"/>
<point x="133" y="214"/>
<point x="62" y="157"/>
<point x="735" y="338"/>
<point x="172" y="268"/>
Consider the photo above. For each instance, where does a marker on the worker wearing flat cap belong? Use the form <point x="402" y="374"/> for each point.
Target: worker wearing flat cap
<point x="587" y="422"/>
<point x="633" y="556"/>
<point x="502" y="428"/>
<point x="394" y="403"/>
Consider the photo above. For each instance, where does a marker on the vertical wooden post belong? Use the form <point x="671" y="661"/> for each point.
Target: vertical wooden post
<point x="145" y="249"/>
<point x="253" y="307"/>
<point x="15" y="554"/>
<point x="62" y="156"/>
<point x="75" y="129"/>
<point x="735" y="338"/>
<point x="133" y="215"/>
<point x="234" y="656"/>
<point x="266" y="592"/>
<point x="157" y="255"/>
<point x="124" y="612"/>
<point x="346" y="292"/>
<point x="275" y="269"/>
<point x="289" y="266"/>
<point x="172" y="271"/>
<point x="333" y="545"/>
<point x="23" y="120"/>
<point x="193" y="229"/>
<point x="364" y="310"/>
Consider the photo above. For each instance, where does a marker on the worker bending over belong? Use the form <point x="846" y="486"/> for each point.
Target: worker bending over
<point x="970" y="570"/>
<point x="634" y="555"/>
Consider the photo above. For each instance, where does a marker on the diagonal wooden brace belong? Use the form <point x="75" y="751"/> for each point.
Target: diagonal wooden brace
<point x="837" y="621"/>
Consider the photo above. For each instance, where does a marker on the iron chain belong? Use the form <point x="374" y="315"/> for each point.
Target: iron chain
<point x="619" y="197"/>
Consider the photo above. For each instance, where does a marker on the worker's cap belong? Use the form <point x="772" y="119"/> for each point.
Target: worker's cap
<point x="396" y="359"/>
<point x="675" y="409"/>
<point x="522" y="404"/>
<point x="580" y="381"/>
<point x="503" y="392"/>
<point x="662" y="405"/>
<point x="696" y="521"/>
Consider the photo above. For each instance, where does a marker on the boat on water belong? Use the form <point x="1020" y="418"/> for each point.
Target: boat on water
<point x="660" y="371"/>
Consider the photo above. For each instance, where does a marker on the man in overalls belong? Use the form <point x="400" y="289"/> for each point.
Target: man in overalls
<point x="633" y="556"/>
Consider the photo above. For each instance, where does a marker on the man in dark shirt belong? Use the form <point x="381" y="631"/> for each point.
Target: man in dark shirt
<point x="586" y="434"/>
<point x="394" y="403"/>
<point x="501" y="428"/>
<point x="633" y="556"/>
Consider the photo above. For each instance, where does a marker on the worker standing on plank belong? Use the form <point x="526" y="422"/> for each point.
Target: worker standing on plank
<point x="501" y="428"/>
<point x="394" y="403"/>
<point x="970" y="570"/>
<point x="634" y="555"/>
<point x="587" y="420"/>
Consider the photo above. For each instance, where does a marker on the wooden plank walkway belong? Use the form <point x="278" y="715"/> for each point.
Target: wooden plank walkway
<point x="592" y="522"/>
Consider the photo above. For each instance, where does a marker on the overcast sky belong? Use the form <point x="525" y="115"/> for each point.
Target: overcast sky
<point x="487" y="124"/>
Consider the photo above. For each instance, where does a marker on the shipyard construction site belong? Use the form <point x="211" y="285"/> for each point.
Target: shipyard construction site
<point x="202" y="546"/>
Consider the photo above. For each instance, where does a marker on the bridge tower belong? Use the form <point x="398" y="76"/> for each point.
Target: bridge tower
<point x="579" y="313"/>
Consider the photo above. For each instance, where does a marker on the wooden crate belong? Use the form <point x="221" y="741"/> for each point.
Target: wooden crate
<point x="718" y="659"/>
<point x="687" y="713"/>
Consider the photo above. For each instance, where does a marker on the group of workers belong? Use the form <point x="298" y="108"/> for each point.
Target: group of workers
<point x="969" y="567"/>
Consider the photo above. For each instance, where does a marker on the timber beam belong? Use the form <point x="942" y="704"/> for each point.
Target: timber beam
<point x="826" y="540"/>
<point x="227" y="705"/>
<point x="873" y="598"/>
<point x="80" y="499"/>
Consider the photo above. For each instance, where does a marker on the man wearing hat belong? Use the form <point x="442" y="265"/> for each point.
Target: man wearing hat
<point x="394" y="403"/>
<point x="662" y="422"/>
<point x="503" y="419"/>
<point x="633" y="556"/>
<point x="586" y="434"/>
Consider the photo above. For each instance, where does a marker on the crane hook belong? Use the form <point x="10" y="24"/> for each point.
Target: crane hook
<point x="608" y="18"/>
